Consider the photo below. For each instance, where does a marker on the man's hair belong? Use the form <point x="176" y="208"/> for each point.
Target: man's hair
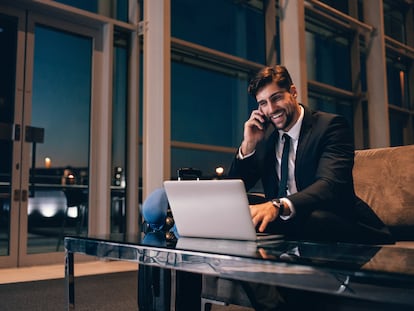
<point x="276" y="74"/>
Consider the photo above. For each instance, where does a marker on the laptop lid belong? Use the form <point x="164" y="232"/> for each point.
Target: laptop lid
<point x="211" y="209"/>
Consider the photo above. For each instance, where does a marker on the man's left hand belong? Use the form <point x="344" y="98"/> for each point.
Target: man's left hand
<point x="263" y="214"/>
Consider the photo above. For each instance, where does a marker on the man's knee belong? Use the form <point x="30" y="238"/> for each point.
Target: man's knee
<point x="154" y="209"/>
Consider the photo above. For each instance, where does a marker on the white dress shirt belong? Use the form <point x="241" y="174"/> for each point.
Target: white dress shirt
<point x="291" y="183"/>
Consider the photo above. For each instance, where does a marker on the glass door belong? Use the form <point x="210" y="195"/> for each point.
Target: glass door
<point x="10" y="135"/>
<point x="45" y="103"/>
<point x="57" y="138"/>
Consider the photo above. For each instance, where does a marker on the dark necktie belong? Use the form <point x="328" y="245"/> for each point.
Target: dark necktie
<point x="284" y="167"/>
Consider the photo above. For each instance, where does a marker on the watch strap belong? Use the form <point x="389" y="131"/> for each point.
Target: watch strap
<point x="279" y="205"/>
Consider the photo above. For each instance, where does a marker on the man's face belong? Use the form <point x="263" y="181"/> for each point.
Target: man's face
<point x="279" y="105"/>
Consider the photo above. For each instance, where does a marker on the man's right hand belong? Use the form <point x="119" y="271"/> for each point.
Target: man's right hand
<point x="254" y="130"/>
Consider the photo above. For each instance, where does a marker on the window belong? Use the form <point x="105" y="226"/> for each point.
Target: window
<point x="61" y="103"/>
<point x="209" y="100"/>
<point x="206" y="105"/>
<point x="332" y="105"/>
<point x="394" y="21"/>
<point x="328" y="55"/>
<point x="209" y="108"/>
<point x="117" y="9"/>
<point x="397" y="77"/>
<point x="398" y="124"/>
<point x="399" y="62"/>
<point x="339" y="5"/>
<point x="119" y="131"/>
<point x="232" y="27"/>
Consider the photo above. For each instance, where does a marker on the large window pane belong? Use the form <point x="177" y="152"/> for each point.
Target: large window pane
<point x="339" y="5"/>
<point x="61" y="106"/>
<point x="394" y="20"/>
<point x="328" y="58"/>
<point x="207" y="107"/>
<point x="232" y="27"/>
<point x="117" y="9"/>
<point x="398" y="124"/>
<point x="397" y="77"/>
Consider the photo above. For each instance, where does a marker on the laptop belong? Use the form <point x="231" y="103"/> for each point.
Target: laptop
<point x="217" y="209"/>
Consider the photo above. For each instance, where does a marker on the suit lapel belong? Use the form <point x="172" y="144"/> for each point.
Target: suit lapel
<point x="304" y="138"/>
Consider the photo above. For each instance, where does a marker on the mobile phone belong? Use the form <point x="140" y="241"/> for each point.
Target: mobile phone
<point x="266" y="122"/>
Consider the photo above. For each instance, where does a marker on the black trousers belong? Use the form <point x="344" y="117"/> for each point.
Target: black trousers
<point x="321" y="226"/>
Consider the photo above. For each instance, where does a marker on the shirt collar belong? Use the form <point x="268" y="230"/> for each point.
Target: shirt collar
<point x="295" y="130"/>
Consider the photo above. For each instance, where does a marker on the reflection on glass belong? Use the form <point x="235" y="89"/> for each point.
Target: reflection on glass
<point x="61" y="106"/>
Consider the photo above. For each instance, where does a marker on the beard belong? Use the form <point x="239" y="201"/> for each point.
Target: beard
<point x="285" y="124"/>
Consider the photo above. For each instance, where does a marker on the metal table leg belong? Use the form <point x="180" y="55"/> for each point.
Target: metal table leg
<point x="69" y="280"/>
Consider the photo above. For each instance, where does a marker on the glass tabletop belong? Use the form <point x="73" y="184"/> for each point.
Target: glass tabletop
<point x="382" y="274"/>
<point x="355" y="257"/>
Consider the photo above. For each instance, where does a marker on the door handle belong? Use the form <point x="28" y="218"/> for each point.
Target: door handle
<point x="24" y="195"/>
<point x="9" y="131"/>
<point x="20" y="195"/>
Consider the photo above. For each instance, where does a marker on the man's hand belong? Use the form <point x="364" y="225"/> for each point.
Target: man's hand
<point x="263" y="214"/>
<point x="254" y="130"/>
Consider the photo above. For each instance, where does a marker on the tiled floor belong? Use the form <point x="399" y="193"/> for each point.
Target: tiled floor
<point x="37" y="273"/>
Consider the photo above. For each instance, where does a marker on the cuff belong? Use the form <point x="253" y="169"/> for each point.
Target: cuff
<point x="288" y="204"/>
<point x="240" y="156"/>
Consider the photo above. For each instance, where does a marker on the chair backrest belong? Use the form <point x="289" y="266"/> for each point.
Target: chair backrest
<point x="384" y="178"/>
<point x="75" y="196"/>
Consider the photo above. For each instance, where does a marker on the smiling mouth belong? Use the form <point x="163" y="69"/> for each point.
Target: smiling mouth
<point x="277" y="115"/>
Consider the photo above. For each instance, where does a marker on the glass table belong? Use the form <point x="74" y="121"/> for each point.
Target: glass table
<point x="373" y="273"/>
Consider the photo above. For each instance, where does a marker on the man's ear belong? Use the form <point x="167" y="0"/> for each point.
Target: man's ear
<point x="293" y="91"/>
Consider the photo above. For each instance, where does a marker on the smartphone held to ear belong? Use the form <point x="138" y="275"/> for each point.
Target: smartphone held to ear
<point x="265" y="123"/>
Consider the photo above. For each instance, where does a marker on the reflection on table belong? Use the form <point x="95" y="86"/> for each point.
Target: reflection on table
<point x="357" y="271"/>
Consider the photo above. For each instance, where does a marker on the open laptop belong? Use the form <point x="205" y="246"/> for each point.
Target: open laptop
<point x="216" y="209"/>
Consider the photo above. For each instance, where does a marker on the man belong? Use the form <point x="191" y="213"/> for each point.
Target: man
<point x="315" y="198"/>
<point x="317" y="201"/>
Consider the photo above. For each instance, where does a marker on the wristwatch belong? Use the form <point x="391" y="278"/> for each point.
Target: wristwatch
<point x="279" y="205"/>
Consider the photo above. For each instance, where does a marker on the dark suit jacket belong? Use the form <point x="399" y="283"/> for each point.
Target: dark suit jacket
<point x="323" y="170"/>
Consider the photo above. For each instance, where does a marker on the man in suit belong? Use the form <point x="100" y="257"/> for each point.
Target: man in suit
<point x="319" y="202"/>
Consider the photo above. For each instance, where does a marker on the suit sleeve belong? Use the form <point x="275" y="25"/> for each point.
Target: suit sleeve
<point x="246" y="169"/>
<point x="324" y="175"/>
<point x="253" y="168"/>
